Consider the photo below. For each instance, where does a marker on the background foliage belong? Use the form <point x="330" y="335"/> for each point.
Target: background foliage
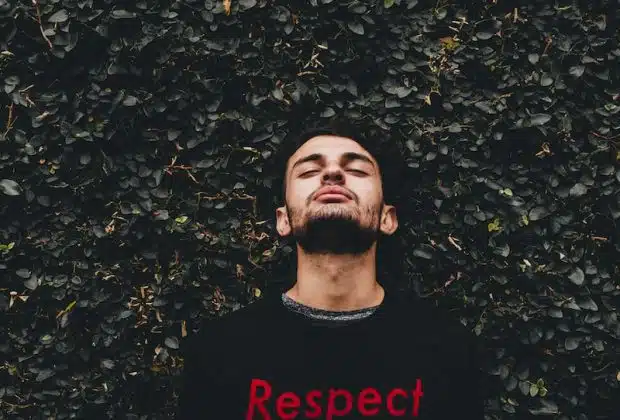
<point x="135" y="145"/>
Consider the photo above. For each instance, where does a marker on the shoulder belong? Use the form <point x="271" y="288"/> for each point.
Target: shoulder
<point x="225" y="330"/>
<point x="430" y="313"/>
<point x="437" y="325"/>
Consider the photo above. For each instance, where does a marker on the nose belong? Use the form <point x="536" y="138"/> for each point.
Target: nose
<point x="333" y="174"/>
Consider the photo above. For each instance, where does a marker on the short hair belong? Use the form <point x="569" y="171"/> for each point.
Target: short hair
<point x="385" y="146"/>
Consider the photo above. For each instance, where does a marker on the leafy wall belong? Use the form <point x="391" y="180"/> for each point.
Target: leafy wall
<point x="135" y="147"/>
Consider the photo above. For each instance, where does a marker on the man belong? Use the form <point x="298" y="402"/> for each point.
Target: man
<point x="337" y="344"/>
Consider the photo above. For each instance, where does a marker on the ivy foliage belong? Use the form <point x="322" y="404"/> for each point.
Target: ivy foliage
<point x="134" y="158"/>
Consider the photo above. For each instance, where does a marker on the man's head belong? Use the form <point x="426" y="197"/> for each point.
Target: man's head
<point x="334" y="197"/>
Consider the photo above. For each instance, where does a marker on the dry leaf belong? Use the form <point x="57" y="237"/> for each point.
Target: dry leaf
<point x="227" y="6"/>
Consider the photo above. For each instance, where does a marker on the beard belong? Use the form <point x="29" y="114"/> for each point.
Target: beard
<point x="335" y="229"/>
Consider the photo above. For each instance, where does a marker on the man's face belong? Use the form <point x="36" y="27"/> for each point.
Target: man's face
<point x="334" y="199"/>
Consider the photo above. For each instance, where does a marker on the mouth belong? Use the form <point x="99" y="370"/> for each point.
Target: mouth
<point x="332" y="198"/>
<point x="333" y="194"/>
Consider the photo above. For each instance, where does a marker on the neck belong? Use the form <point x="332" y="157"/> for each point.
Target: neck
<point x="337" y="282"/>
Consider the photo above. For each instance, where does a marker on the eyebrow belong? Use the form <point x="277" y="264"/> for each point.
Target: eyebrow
<point x="347" y="157"/>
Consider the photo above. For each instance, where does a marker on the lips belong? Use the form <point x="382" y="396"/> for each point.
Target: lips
<point x="332" y="194"/>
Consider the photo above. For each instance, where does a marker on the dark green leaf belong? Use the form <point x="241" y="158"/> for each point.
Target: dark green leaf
<point x="130" y="101"/>
<point x="578" y="190"/>
<point x="122" y="14"/>
<point x="577" y="71"/>
<point x="423" y="253"/>
<point x="32" y="283"/>
<point x="172" y="342"/>
<point x="539" y="119"/>
<point x="10" y="187"/>
<point x="545" y="80"/>
<point x="538" y="213"/>
<point x="545" y="407"/>
<point x="571" y="343"/>
<point x="588" y="304"/>
<point x="328" y="112"/>
<point x="577" y="276"/>
<point x="108" y="364"/>
<point x="44" y="374"/>
<point x="247" y="4"/>
<point x="356" y="28"/>
<point x="484" y="35"/>
<point x="59" y="17"/>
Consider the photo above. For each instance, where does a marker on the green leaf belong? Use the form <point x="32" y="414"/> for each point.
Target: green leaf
<point x="577" y="276"/>
<point x="577" y="71"/>
<point x="484" y="35"/>
<point x="485" y="106"/>
<point x="494" y="226"/>
<point x="571" y="343"/>
<point x="588" y="304"/>
<point x="247" y="4"/>
<point x="403" y="92"/>
<point x="555" y="313"/>
<point x="328" y="112"/>
<point x="546" y="407"/>
<point x="123" y="14"/>
<point x="578" y="190"/>
<point x="421" y="253"/>
<point x="108" y="364"/>
<point x="10" y="187"/>
<point x="545" y="80"/>
<point x="32" y="283"/>
<point x="182" y="219"/>
<point x="356" y="28"/>
<point x="59" y="17"/>
<point x="538" y="213"/>
<point x="44" y="374"/>
<point x="130" y="101"/>
<point x="12" y="80"/>
<point x="172" y="342"/>
<point x="388" y="3"/>
<point x="539" y="119"/>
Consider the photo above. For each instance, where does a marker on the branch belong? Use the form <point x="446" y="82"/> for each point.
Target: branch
<point x="34" y="2"/>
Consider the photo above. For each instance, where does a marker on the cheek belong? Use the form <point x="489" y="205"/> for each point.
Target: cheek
<point x="299" y="195"/>
<point x="368" y="192"/>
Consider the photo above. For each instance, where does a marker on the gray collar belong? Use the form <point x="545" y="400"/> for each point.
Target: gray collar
<point x="326" y="315"/>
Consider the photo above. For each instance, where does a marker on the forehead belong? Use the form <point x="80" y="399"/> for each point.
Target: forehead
<point x="330" y="146"/>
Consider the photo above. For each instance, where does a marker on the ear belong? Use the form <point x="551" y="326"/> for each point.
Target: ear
<point x="282" y="223"/>
<point x="389" y="220"/>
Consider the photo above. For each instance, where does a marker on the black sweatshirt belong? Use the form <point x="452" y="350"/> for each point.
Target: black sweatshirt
<point x="407" y="359"/>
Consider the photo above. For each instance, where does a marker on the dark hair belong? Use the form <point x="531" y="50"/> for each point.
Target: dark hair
<point x="386" y="147"/>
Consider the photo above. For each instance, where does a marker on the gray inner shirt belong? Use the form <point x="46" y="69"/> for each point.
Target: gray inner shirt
<point x="328" y="317"/>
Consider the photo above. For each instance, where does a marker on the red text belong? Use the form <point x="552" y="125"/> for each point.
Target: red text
<point x="332" y="403"/>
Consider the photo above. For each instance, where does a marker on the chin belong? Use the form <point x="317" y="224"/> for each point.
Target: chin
<point x="333" y="217"/>
<point x="333" y="210"/>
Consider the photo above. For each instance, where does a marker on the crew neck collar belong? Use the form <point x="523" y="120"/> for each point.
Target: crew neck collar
<point x="299" y="321"/>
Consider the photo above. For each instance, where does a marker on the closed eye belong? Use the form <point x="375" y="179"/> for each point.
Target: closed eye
<point x="357" y="171"/>
<point x="314" y="171"/>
